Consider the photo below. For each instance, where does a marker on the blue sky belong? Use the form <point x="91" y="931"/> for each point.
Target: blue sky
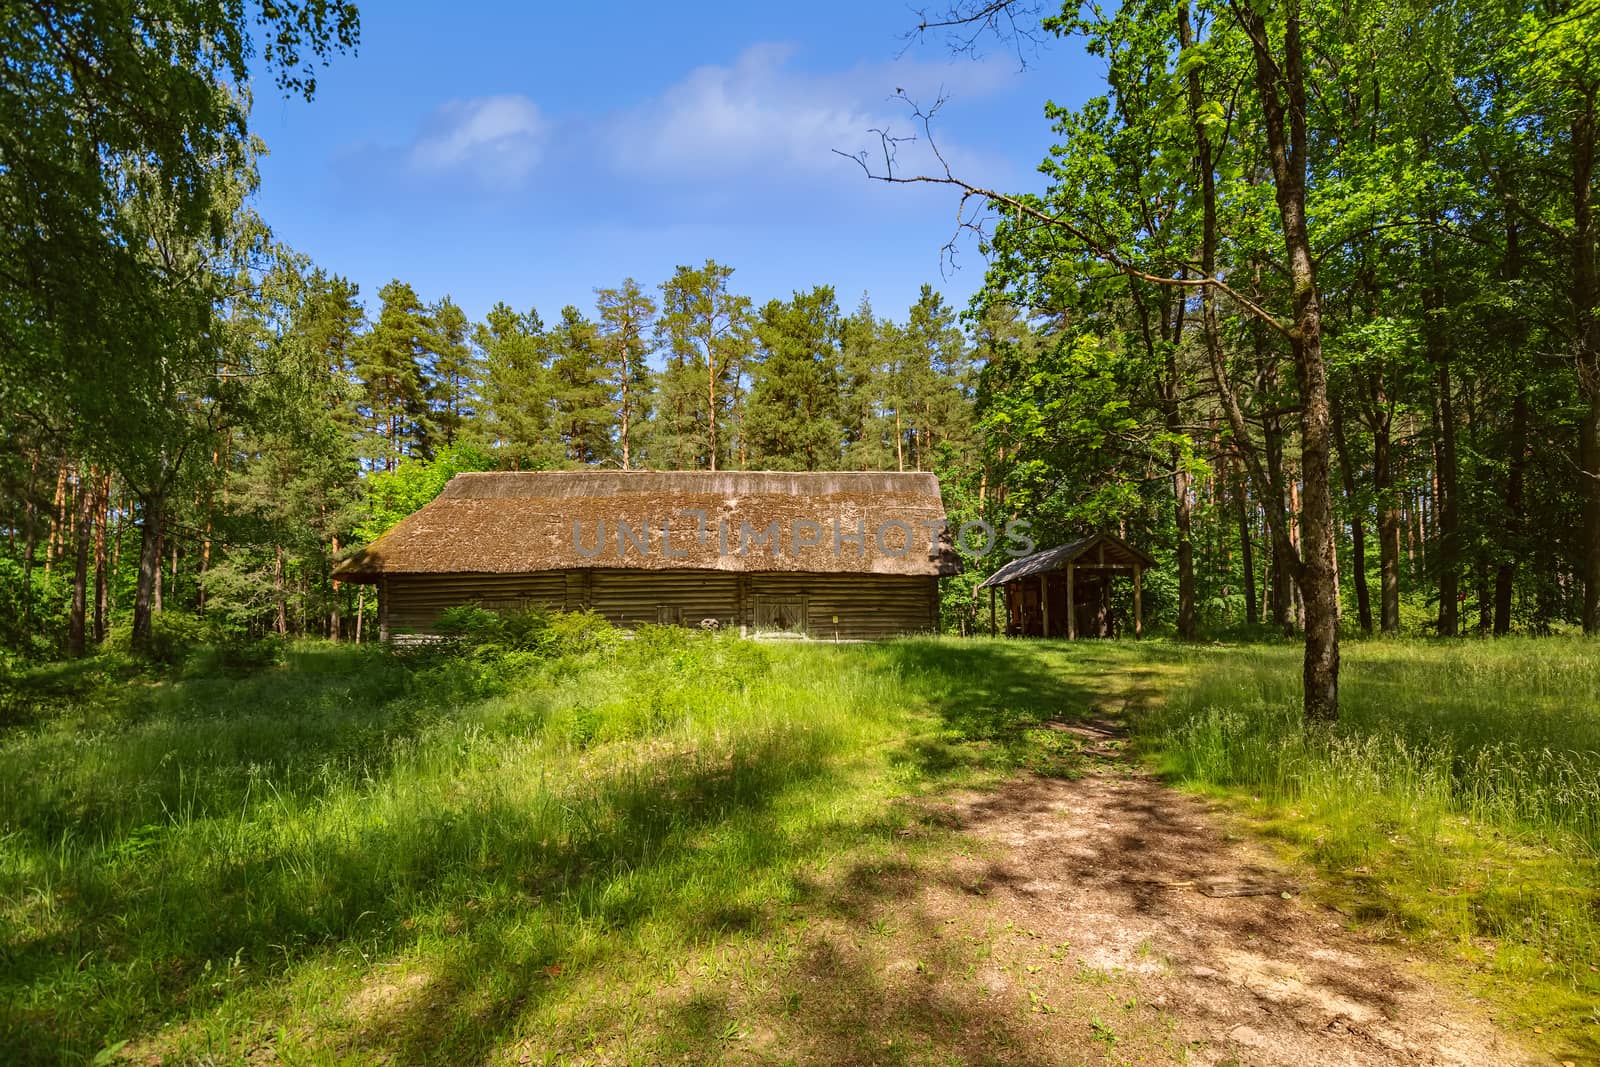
<point x="530" y="153"/>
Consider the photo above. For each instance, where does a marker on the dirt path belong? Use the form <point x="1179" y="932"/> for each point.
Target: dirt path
<point x="1196" y="951"/>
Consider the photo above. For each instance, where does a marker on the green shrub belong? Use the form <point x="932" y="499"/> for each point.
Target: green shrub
<point x="242" y="655"/>
<point x="174" y="637"/>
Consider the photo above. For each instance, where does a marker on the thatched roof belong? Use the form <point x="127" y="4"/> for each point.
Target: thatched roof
<point x="1094" y="550"/>
<point x="522" y="522"/>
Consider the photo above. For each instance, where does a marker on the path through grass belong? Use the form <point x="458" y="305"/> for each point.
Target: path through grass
<point x="620" y="851"/>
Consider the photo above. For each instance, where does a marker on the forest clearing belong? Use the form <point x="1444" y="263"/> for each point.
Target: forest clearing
<point x="523" y="541"/>
<point x="692" y="848"/>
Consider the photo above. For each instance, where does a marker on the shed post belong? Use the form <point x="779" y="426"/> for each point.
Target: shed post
<point x="1138" y="601"/>
<point x="1072" y="605"/>
<point x="994" y="629"/>
<point x="1044" y="603"/>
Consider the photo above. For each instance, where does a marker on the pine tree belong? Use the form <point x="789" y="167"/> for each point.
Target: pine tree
<point x="454" y="372"/>
<point x="793" y="418"/>
<point x="627" y="317"/>
<point x="706" y="330"/>
<point x="579" y="389"/>
<point x="518" y="410"/>
<point x="864" y="402"/>
<point x="389" y="364"/>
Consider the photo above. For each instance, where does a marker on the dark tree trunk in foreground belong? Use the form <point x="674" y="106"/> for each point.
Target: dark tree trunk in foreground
<point x="102" y="517"/>
<point x="1280" y="82"/>
<point x="1388" y="528"/>
<point x="1183" y="509"/>
<point x="1444" y="424"/>
<point x="1506" y="574"/>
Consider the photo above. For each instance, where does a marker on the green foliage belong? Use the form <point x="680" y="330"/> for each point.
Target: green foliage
<point x="32" y="611"/>
<point x="174" y="637"/>
<point x="391" y="363"/>
<point x="166" y="122"/>
<point x="581" y="394"/>
<point x="705" y="332"/>
<point x="394" y="495"/>
<point x="792" y="423"/>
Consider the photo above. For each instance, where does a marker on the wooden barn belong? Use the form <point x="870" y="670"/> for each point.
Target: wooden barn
<point x="1065" y="591"/>
<point x="828" y="556"/>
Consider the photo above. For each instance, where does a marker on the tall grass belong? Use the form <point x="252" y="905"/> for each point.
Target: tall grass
<point x="1458" y="798"/>
<point x="189" y="862"/>
<point x="350" y="854"/>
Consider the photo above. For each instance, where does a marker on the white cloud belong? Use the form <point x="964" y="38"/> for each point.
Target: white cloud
<point x="495" y="139"/>
<point x="760" y="114"/>
<point x="726" y="131"/>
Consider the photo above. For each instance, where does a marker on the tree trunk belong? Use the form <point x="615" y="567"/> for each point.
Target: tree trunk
<point x="1358" y="526"/>
<point x="147" y="593"/>
<point x="625" y="403"/>
<point x="711" y="400"/>
<point x="173" y="592"/>
<point x="1282" y="547"/>
<point x="30" y="539"/>
<point x="1447" y="511"/>
<point x="278" y="591"/>
<point x="102" y="601"/>
<point x="77" y="621"/>
<point x="1585" y="295"/>
<point x="1246" y="552"/>
<point x="334" y="623"/>
<point x="53" y="547"/>
<point x="1287" y="148"/>
<point x="1389" y="524"/>
<point x="1506" y="574"/>
<point x="1183" y="512"/>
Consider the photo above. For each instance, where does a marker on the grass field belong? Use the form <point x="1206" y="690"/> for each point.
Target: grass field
<point x="1456" y="806"/>
<point x="578" y="849"/>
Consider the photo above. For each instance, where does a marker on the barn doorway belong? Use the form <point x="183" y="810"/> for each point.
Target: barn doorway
<point x="780" y="616"/>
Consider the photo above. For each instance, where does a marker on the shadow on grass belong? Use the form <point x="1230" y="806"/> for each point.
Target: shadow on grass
<point x="121" y="750"/>
<point x="508" y="904"/>
<point x="1003" y="703"/>
<point x="605" y="856"/>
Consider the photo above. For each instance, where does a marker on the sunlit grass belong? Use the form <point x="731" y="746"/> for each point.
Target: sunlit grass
<point x="625" y="850"/>
<point x="433" y="856"/>
<point x="1457" y="802"/>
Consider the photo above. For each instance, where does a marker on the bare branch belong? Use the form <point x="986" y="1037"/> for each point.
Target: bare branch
<point x="966" y="22"/>
<point x="1078" y="231"/>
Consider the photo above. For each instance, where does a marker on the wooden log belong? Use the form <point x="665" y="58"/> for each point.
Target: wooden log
<point x="1072" y="605"/>
<point x="1138" y="602"/>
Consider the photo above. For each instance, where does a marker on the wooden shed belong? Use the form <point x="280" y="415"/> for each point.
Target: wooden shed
<point x="1065" y="591"/>
<point x="829" y="556"/>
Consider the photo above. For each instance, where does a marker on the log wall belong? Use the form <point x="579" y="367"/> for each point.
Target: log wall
<point x="843" y="607"/>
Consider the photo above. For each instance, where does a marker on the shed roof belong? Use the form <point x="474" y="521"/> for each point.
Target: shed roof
<point x="506" y="523"/>
<point x="1116" y="551"/>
